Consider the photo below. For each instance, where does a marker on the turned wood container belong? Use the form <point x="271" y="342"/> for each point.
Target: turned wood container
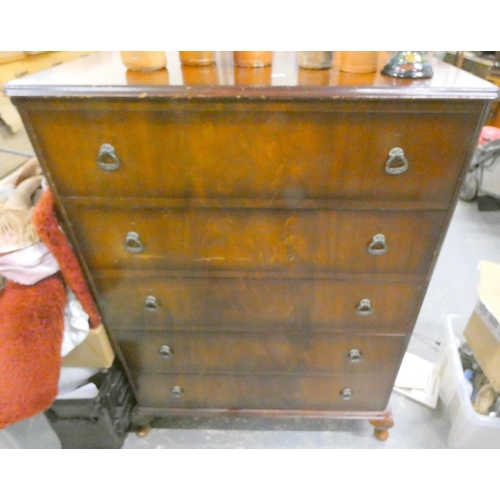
<point x="197" y="58"/>
<point x="144" y="61"/>
<point x="315" y="59"/>
<point x="358" y="61"/>
<point x="252" y="59"/>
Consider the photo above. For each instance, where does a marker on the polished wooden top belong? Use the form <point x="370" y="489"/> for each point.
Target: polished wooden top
<point x="103" y="74"/>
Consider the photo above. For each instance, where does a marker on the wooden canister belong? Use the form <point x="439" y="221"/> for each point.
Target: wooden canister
<point x="358" y="61"/>
<point x="144" y="61"/>
<point x="197" y="58"/>
<point x="253" y="59"/>
<point x="315" y="59"/>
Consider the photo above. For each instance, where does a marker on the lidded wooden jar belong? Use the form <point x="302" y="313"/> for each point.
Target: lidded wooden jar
<point x="253" y="59"/>
<point x="358" y="61"/>
<point x="144" y="60"/>
<point x="197" y="58"/>
<point x="315" y="59"/>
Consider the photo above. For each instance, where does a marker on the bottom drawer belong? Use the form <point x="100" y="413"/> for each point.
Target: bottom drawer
<point x="336" y="393"/>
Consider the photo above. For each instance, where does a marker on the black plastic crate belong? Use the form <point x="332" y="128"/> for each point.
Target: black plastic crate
<point x="102" y="422"/>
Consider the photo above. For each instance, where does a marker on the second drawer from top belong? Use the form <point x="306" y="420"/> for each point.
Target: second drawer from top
<point x="342" y="241"/>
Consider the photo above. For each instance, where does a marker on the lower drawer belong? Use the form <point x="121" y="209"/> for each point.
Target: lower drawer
<point x="269" y="353"/>
<point x="336" y="393"/>
<point x="154" y="303"/>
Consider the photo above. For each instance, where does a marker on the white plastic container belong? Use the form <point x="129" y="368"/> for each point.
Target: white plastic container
<point x="469" y="429"/>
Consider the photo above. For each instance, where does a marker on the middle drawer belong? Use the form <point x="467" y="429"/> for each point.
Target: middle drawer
<point x="148" y="301"/>
<point x="345" y="241"/>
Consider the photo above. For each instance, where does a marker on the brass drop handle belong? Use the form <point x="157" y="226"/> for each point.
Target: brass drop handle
<point x="166" y="352"/>
<point x="396" y="163"/>
<point x="364" y="308"/>
<point x="378" y="245"/>
<point x="151" y="304"/>
<point x="176" y="392"/>
<point x="133" y="243"/>
<point x="346" y="394"/>
<point x="355" y="356"/>
<point x="107" y="159"/>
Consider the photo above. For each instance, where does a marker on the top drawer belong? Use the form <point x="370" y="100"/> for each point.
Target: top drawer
<point x="277" y="151"/>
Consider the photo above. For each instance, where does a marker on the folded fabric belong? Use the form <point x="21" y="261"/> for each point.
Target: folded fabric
<point x="29" y="265"/>
<point x="76" y="324"/>
<point x="16" y="228"/>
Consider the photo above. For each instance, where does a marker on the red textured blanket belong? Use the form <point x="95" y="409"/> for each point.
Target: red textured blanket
<point x="32" y="325"/>
<point x="47" y="226"/>
<point x="31" y="328"/>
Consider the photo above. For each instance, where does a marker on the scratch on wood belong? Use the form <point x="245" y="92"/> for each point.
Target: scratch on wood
<point x="208" y="259"/>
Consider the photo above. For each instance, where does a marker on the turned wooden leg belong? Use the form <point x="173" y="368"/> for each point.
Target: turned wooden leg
<point x="143" y="431"/>
<point x="382" y="427"/>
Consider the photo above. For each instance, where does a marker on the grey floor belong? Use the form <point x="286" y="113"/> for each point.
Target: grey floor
<point x="472" y="236"/>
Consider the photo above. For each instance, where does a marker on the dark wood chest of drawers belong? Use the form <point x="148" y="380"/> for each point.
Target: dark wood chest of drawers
<point x="255" y="249"/>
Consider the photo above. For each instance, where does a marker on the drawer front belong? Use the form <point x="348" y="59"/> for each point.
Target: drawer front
<point x="264" y="392"/>
<point x="270" y="151"/>
<point x="257" y="240"/>
<point x="268" y="353"/>
<point x="155" y="303"/>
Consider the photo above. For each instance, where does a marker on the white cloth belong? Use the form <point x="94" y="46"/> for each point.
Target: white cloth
<point x="76" y="324"/>
<point x="71" y="378"/>
<point x="28" y="265"/>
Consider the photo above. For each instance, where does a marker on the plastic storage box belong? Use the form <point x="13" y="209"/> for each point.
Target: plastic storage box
<point x="469" y="429"/>
<point x="101" y="422"/>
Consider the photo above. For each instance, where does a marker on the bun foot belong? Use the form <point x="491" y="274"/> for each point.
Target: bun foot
<point x="143" y="431"/>
<point x="381" y="434"/>
<point x="382" y="426"/>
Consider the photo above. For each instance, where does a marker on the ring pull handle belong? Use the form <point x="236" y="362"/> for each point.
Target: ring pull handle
<point x="346" y="394"/>
<point x="133" y="243"/>
<point x="355" y="356"/>
<point x="176" y="392"/>
<point x="151" y="304"/>
<point x="107" y="159"/>
<point x="364" y="308"/>
<point x="396" y="163"/>
<point x="378" y="245"/>
<point x="166" y="352"/>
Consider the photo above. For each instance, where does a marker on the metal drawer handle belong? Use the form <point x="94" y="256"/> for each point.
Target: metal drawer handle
<point x="107" y="159"/>
<point x="364" y="308"/>
<point x="176" y="392"/>
<point x="355" y="356"/>
<point x="166" y="352"/>
<point x="396" y="157"/>
<point x="133" y="243"/>
<point x="151" y="304"/>
<point x="378" y="245"/>
<point x="346" y="394"/>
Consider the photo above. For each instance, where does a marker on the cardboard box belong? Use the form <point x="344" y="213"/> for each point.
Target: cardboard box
<point x="94" y="352"/>
<point x="482" y="332"/>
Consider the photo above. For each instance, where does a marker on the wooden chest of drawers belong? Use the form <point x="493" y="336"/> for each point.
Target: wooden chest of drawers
<point x="255" y="249"/>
